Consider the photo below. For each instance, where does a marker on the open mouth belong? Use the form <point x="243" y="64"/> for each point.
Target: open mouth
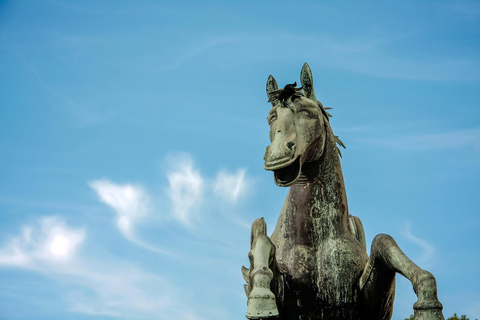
<point x="287" y="175"/>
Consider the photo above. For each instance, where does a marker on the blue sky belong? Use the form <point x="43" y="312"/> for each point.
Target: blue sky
<point x="132" y="137"/>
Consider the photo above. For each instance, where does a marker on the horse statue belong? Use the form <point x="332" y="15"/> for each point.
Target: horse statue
<point x="315" y="264"/>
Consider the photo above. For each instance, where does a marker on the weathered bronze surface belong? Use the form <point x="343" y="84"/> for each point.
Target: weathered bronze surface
<point x="315" y="265"/>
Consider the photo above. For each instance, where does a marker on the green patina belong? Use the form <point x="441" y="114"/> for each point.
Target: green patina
<point x="315" y="265"/>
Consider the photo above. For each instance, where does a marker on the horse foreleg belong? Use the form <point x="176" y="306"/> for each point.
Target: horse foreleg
<point x="377" y="283"/>
<point x="261" y="300"/>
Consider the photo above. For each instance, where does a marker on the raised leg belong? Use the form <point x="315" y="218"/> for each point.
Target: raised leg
<point x="262" y="302"/>
<point x="377" y="283"/>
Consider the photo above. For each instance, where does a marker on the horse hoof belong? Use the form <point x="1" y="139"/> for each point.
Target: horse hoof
<point x="261" y="304"/>
<point x="428" y="314"/>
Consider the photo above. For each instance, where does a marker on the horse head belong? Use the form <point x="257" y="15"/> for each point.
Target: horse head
<point x="299" y="128"/>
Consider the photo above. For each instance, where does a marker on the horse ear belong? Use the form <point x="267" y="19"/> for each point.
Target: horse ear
<point x="271" y="86"/>
<point x="306" y="79"/>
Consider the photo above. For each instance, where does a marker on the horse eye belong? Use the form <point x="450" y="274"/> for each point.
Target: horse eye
<point x="306" y="113"/>
<point x="272" y="118"/>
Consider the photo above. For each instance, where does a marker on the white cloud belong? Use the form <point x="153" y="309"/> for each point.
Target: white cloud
<point x="230" y="186"/>
<point x="112" y="286"/>
<point x="130" y="202"/>
<point x="50" y="241"/>
<point x="187" y="191"/>
<point x="186" y="188"/>
<point x="108" y="286"/>
<point x="428" y="251"/>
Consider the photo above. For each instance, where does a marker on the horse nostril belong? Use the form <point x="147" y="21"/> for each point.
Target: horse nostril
<point x="290" y="146"/>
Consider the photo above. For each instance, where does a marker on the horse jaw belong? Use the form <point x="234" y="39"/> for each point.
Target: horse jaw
<point x="289" y="174"/>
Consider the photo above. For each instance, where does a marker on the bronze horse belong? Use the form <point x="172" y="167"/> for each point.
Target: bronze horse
<point x="315" y="265"/>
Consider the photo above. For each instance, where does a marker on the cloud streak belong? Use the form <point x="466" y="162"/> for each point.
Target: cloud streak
<point x="131" y="204"/>
<point x="428" y="253"/>
<point x="431" y="141"/>
<point x="122" y="291"/>
<point x="84" y="116"/>
<point x="230" y="186"/>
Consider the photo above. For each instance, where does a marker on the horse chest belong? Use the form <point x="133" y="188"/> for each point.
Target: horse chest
<point x="314" y="253"/>
<point x="339" y="265"/>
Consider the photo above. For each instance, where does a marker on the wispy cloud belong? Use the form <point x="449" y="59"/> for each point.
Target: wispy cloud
<point x="50" y="241"/>
<point x="367" y="53"/>
<point x="371" y="55"/>
<point x="230" y="186"/>
<point x="186" y="187"/>
<point x="188" y="200"/>
<point x="122" y="291"/>
<point x="474" y="308"/>
<point x="430" y="141"/>
<point x="195" y="50"/>
<point x="131" y="203"/>
<point x="83" y="115"/>
<point x="109" y="286"/>
<point x="428" y="251"/>
<point x="465" y="9"/>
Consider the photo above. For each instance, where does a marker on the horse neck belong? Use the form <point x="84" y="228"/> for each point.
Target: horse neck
<point x="319" y="198"/>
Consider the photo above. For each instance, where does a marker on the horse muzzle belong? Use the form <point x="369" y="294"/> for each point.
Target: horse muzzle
<point x="279" y="155"/>
<point x="284" y="161"/>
